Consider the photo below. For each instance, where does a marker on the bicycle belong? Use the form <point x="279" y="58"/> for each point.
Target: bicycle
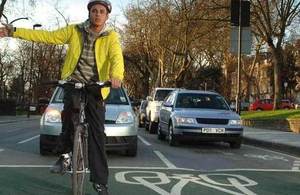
<point x="79" y="155"/>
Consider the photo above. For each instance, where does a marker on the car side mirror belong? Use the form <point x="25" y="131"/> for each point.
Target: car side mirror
<point x="167" y="105"/>
<point x="149" y="98"/>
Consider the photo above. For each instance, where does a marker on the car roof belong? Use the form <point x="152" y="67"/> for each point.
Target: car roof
<point x="162" y="88"/>
<point x="197" y="91"/>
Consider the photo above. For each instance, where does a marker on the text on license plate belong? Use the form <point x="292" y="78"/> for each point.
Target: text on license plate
<point x="213" y="130"/>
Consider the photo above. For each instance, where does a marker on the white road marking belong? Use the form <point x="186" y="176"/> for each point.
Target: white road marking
<point x="163" y="168"/>
<point x="144" y="141"/>
<point x="266" y="157"/>
<point x="25" y="166"/>
<point x="27" y="140"/>
<point x="266" y="133"/>
<point x="267" y="150"/>
<point x="165" y="160"/>
<point x="296" y="165"/>
<point x="257" y="170"/>
<point x="111" y="167"/>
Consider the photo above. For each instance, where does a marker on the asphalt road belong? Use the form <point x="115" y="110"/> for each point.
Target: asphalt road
<point x="158" y="168"/>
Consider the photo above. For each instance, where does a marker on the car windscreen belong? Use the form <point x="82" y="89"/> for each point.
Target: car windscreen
<point x="203" y="101"/>
<point x="161" y="94"/>
<point x="116" y="96"/>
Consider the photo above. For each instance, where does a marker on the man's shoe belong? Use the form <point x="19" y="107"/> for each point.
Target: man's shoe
<point x="101" y="189"/>
<point x="62" y="164"/>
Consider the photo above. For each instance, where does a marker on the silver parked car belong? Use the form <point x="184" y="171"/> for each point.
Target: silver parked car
<point x="120" y="123"/>
<point x="199" y="115"/>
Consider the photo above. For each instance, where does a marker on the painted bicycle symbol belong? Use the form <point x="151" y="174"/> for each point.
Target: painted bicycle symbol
<point x="156" y="180"/>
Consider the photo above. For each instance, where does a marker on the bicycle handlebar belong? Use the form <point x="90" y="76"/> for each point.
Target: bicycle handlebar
<point x="78" y="85"/>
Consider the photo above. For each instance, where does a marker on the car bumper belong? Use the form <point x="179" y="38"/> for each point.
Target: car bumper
<point x="195" y="133"/>
<point x="110" y="130"/>
<point x="154" y="116"/>
<point x="118" y="137"/>
<point x="112" y="142"/>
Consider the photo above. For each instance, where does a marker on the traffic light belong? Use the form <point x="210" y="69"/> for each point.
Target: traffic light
<point x="235" y="12"/>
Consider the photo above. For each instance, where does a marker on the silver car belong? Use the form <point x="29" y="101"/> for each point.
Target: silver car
<point x="120" y="123"/>
<point x="199" y="115"/>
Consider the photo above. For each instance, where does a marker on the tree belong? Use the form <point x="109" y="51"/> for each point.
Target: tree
<point x="270" y="20"/>
<point x="172" y="41"/>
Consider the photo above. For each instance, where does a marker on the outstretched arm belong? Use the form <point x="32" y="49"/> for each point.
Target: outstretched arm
<point x="59" y="36"/>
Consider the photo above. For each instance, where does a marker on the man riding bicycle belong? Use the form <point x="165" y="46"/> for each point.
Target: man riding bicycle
<point x="94" y="53"/>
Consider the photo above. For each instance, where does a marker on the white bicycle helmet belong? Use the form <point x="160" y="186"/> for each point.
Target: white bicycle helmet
<point x="105" y="3"/>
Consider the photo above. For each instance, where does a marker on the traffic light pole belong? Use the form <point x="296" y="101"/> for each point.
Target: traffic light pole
<point x="238" y="81"/>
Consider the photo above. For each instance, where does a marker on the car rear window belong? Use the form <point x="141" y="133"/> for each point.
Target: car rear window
<point x="161" y="94"/>
<point x="116" y="96"/>
<point x="204" y="101"/>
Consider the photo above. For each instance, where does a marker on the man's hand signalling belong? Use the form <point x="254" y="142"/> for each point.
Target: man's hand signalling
<point x="3" y="31"/>
<point x="6" y="30"/>
<point x="115" y="83"/>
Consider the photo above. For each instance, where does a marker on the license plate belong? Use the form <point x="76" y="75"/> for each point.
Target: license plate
<point x="213" y="130"/>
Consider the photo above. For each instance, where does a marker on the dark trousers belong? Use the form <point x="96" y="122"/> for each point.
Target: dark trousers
<point x="95" y="115"/>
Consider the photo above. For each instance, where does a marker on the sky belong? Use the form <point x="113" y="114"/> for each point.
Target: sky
<point x="75" y="10"/>
<point x="44" y="13"/>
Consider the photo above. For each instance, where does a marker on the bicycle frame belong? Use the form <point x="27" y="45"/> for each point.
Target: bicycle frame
<point x="79" y="163"/>
<point x="80" y="148"/>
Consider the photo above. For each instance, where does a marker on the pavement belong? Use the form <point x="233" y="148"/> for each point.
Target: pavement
<point x="283" y="141"/>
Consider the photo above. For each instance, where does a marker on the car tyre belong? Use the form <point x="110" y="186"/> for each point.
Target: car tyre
<point x="235" y="144"/>
<point x="132" y="151"/>
<point x="140" y="123"/>
<point x="171" y="137"/>
<point x="160" y="135"/>
<point x="152" y="127"/>
<point x="44" y="150"/>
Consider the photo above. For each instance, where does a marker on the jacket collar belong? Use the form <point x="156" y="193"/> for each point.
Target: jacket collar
<point x="84" y="27"/>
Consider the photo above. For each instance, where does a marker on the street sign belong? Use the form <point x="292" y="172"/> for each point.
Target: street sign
<point x="246" y="40"/>
<point x="235" y="13"/>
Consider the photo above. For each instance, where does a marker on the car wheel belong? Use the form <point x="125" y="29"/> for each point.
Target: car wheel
<point x="140" y="123"/>
<point x="235" y="144"/>
<point x="152" y="127"/>
<point x="147" y="124"/>
<point x="132" y="151"/>
<point x="171" y="137"/>
<point x="160" y="135"/>
<point x="259" y="109"/>
<point x="44" y="150"/>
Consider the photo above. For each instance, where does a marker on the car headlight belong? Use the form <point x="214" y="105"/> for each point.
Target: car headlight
<point x="125" y="117"/>
<point x="235" y="122"/>
<point x="183" y="120"/>
<point x="52" y="116"/>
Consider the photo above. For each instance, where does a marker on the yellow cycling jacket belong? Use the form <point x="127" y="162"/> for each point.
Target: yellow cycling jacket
<point x="108" y="52"/>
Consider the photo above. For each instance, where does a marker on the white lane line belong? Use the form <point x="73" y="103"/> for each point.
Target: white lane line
<point x="165" y="160"/>
<point x="296" y="165"/>
<point x="267" y="150"/>
<point x="25" y="166"/>
<point x="256" y="170"/>
<point x="27" y="140"/>
<point x="144" y="141"/>
<point x="165" y="168"/>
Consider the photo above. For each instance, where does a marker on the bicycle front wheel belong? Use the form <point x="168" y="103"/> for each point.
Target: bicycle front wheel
<point x="78" y="162"/>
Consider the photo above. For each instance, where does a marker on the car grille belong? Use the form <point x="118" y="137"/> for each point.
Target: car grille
<point x="212" y="121"/>
<point x="110" y="122"/>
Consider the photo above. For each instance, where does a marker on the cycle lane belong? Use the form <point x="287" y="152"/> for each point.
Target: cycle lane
<point x="151" y="172"/>
<point x="150" y="180"/>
